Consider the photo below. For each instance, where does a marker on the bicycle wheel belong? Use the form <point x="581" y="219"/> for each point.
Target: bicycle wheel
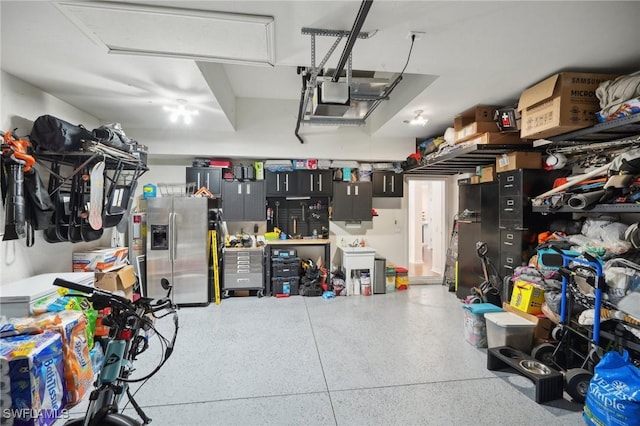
<point x="114" y="419"/>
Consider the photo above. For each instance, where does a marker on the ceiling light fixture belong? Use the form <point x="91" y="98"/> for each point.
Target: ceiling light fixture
<point x="175" y="113"/>
<point x="418" y="120"/>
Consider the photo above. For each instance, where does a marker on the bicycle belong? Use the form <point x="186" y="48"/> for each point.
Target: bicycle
<point x="129" y="323"/>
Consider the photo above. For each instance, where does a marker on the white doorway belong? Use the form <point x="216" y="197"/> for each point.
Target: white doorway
<point x="426" y="226"/>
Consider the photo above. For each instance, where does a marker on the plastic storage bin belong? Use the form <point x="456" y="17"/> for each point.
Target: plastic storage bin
<point x="475" y="328"/>
<point x="508" y="329"/>
<point x="390" y="279"/>
<point x="402" y="278"/>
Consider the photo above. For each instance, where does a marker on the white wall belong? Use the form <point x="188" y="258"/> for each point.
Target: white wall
<point x="21" y="104"/>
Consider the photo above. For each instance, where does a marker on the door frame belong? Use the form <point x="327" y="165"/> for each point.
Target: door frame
<point x="445" y="224"/>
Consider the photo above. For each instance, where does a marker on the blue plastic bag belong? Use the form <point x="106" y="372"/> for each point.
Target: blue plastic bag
<point x="614" y="392"/>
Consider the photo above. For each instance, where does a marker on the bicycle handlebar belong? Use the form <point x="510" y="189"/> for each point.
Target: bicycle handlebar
<point x="110" y="299"/>
<point x="96" y="294"/>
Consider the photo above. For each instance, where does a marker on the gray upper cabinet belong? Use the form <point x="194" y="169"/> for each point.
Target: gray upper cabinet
<point x="209" y="177"/>
<point x="243" y="201"/>
<point x="388" y="184"/>
<point x="315" y="183"/>
<point x="352" y="201"/>
<point x="281" y="184"/>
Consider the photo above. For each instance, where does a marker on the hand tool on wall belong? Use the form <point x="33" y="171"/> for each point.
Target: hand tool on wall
<point x="16" y="162"/>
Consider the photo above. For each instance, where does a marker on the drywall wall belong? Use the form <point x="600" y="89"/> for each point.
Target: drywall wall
<point x="21" y="104"/>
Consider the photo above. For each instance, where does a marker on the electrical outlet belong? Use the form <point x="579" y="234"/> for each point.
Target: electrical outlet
<point x="418" y="34"/>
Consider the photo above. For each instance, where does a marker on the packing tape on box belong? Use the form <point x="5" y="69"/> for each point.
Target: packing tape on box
<point x="5" y="384"/>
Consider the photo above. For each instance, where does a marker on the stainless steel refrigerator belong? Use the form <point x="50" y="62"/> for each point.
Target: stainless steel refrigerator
<point x="177" y="248"/>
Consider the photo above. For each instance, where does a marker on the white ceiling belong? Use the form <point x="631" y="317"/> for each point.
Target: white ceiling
<point x="478" y="52"/>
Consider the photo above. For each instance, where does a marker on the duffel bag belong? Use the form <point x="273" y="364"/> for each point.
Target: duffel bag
<point x="50" y="133"/>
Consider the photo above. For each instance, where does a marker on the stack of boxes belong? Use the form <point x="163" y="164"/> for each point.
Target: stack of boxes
<point x="477" y="126"/>
<point x="285" y="272"/>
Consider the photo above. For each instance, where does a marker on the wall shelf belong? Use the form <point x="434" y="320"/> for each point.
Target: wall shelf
<point x="463" y="159"/>
<point x="598" y="208"/>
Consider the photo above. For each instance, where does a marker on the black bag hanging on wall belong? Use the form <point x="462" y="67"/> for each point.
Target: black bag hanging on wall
<point x="40" y="208"/>
<point x="53" y="134"/>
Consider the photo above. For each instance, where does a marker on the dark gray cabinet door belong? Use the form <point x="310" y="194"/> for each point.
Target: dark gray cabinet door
<point x="254" y="200"/>
<point x="281" y="184"/>
<point x="352" y="201"/>
<point x="209" y="177"/>
<point x="232" y="200"/>
<point x="242" y="201"/>
<point x="315" y="183"/>
<point x="388" y="184"/>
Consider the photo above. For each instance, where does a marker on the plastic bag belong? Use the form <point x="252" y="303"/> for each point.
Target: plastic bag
<point x="614" y="392"/>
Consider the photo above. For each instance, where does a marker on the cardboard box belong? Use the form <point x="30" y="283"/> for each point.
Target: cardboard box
<point x="100" y="259"/>
<point x="488" y="174"/>
<point x="527" y="297"/>
<point x="494" y="138"/>
<point x="474" y="180"/>
<point x="543" y="324"/>
<point x="474" y="129"/>
<point x="122" y="279"/>
<point x="518" y="160"/>
<point x="559" y="104"/>
<point x="476" y="114"/>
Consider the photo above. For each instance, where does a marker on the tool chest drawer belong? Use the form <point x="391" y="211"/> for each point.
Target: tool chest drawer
<point x="245" y="257"/>
<point x="239" y="281"/>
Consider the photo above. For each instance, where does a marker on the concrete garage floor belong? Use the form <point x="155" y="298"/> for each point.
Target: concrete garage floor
<point x="390" y="359"/>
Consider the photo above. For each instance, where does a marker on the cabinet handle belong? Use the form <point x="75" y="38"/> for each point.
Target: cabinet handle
<point x="198" y="181"/>
<point x="508" y="267"/>
<point x="248" y="189"/>
<point x="508" y="210"/>
<point x="510" y="202"/>
<point x="509" y="236"/>
<point x="508" y="186"/>
<point x="393" y="184"/>
<point x="311" y="181"/>
<point x="286" y="182"/>
<point x="384" y="183"/>
<point x="510" y="178"/>
<point x="207" y="181"/>
<point x="278" y="182"/>
<point x="356" y="187"/>
<point x="320" y="182"/>
<point x="239" y="188"/>
<point x="348" y="189"/>
<point x="509" y="260"/>
<point x="507" y="243"/>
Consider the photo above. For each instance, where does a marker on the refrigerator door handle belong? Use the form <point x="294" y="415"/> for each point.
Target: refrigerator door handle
<point x="174" y="237"/>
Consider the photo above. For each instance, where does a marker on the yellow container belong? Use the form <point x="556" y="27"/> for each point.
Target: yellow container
<point x="402" y="278"/>
<point x="526" y="297"/>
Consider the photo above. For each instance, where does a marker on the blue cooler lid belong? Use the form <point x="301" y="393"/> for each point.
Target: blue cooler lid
<point x="482" y="308"/>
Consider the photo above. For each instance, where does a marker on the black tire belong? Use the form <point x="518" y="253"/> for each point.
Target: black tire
<point x="577" y="383"/>
<point x="544" y="354"/>
<point x="114" y="419"/>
